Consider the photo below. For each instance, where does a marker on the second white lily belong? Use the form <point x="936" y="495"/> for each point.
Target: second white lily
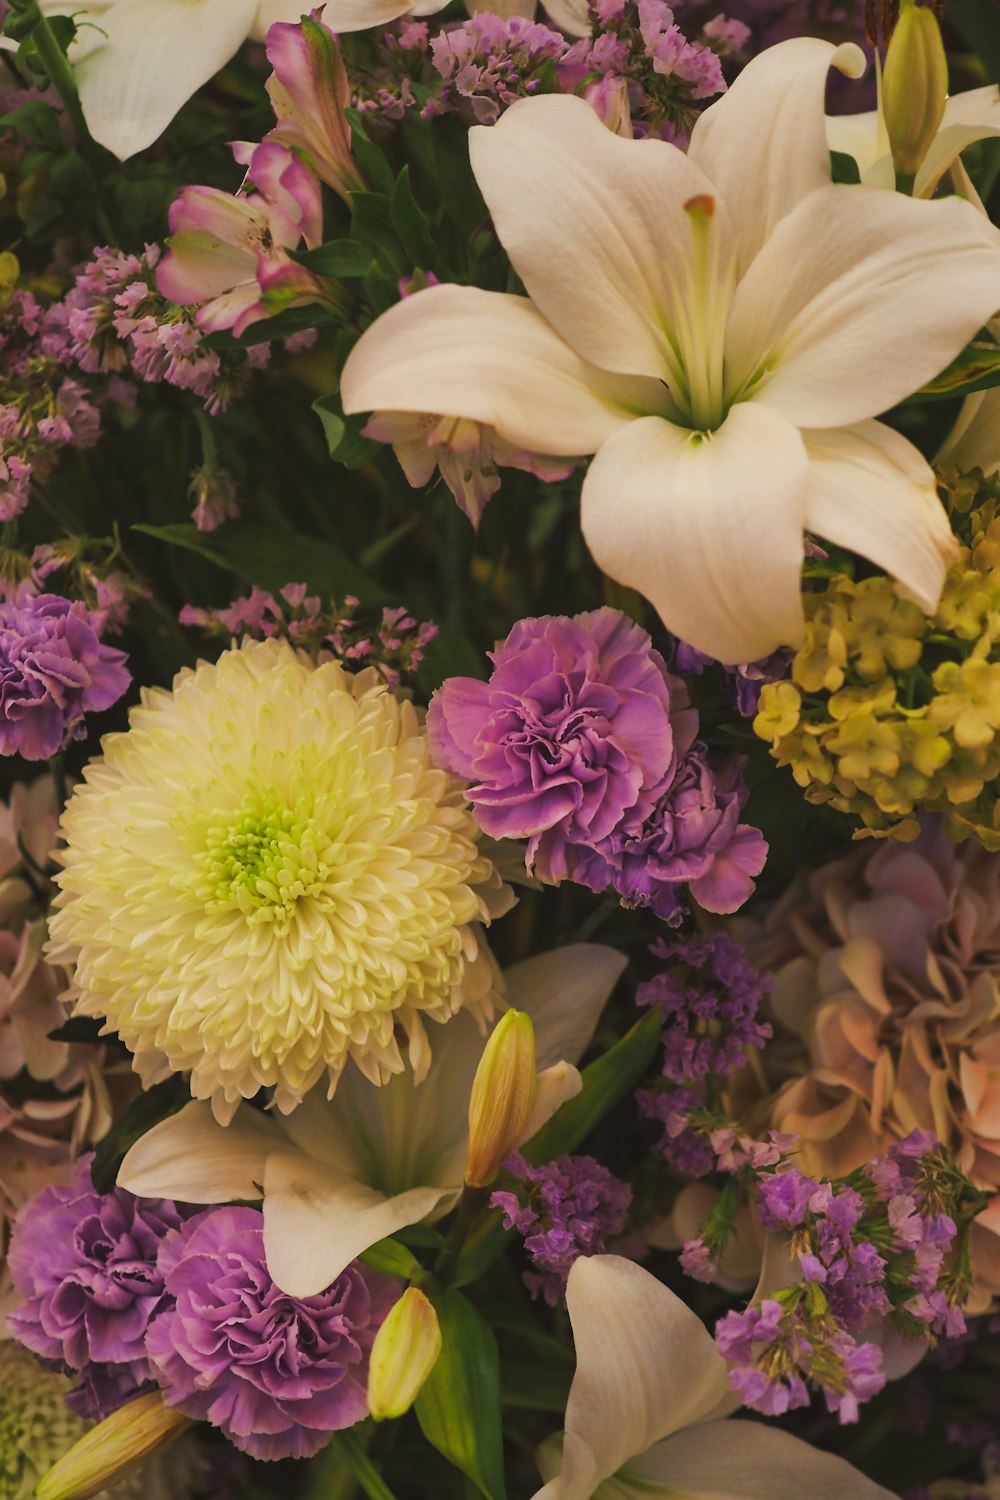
<point x="338" y="1175"/>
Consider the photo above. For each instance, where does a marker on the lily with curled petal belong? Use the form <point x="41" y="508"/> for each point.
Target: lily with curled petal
<point x="720" y="328"/>
<point x="338" y="1175"/>
<point x="647" y="1416"/>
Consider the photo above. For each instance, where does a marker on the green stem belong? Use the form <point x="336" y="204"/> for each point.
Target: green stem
<point x="472" y="1200"/>
<point x="61" y="77"/>
<point x="209" y="449"/>
<point x="351" y="1450"/>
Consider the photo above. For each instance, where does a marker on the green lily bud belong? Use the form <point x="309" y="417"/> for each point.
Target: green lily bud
<point x="914" y="86"/>
<point x="113" y="1449"/>
<point x="503" y="1096"/>
<point x="404" y="1353"/>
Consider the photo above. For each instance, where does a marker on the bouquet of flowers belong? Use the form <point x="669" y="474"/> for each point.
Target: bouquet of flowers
<point x="500" y="733"/>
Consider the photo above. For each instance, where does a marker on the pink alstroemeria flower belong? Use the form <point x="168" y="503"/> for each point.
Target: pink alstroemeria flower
<point x="309" y="91"/>
<point x="227" y="250"/>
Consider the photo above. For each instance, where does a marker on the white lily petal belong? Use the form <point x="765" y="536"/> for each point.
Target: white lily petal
<point x="763" y="143"/>
<point x="857" y="299"/>
<point x="572" y="16"/>
<point x="974" y="441"/>
<point x="865" y="138"/>
<point x="708" y="528"/>
<point x="553" y="1087"/>
<point x="192" y="1158"/>
<point x="646" y="1366"/>
<point x="968" y="117"/>
<point x="316" y="1222"/>
<point x="871" y="491"/>
<point x="738" y="1460"/>
<point x="359" y="15"/>
<point x="291" y="11"/>
<point x="135" y="82"/>
<point x="595" y="226"/>
<point x="463" y="352"/>
<point x="564" y="992"/>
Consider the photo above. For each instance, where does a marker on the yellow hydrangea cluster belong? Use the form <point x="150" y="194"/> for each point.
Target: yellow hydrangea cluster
<point x="890" y="712"/>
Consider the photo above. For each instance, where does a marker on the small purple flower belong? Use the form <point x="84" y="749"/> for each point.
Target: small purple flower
<point x="86" y="1264"/>
<point x="53" y="670"/>
<point x="708" y="997"/>
<point x="277" y="1374"/>
<point x="564" y="1209"/>
<point x="571" y="733"/>
<point x="783" y="1198"/>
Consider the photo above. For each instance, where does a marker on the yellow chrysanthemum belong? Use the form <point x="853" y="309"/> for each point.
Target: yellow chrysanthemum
<point x="266" y="876"/>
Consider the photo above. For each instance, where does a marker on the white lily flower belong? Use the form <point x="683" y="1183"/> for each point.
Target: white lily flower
<point x="968" y="117"/>
<point x="337" y="1175"/>
<point x="719" y="327"/>
<point x="647" y="1410"/>
<point x="360" y="15"/>
<point x="138" y="61"/>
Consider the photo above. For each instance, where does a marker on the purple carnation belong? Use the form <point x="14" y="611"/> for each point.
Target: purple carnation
<point x="691" y="836"/>
<point x="277" y="1374"/>
<point x="86" y="1264"/>
<point x="53" y="670"/>
<point x="571" y="733"/>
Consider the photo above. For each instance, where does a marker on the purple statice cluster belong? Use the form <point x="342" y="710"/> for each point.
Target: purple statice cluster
<point x="641" y="72"/>
<point x="487" y="63"/>
<point x="743" y="683"/>
<point x="54" y="669"/>
<point x="708" y="997"/>
<point x="117" y="322"/>
<point x="132" y="1293"/>
<point x="395" y="644"/>
<point x="564" y="1209"/>
<point x="880" y="1255"/>
<point x="582" y="743"/>
<point x="46" y="403"/>
<point x="397" y="77"/>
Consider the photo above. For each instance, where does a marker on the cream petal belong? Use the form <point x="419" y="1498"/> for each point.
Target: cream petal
<point x="157" y="54"/>
<point x="571" y="16"/>
<point x="871" y="491"/>
<point x="552" y="1089"/>
<point x="738" y="1460"/>
<point x="359" y="15"/>
<point x="564" y="992"/>
<point x="968" y="117"/>
<point x="763" y="143"/>
<point x="316" y="1222"/>
<point x="646" y="1366"/>
<point x="194" y="1159"/>
<point x="974" y="442"/>
<point x="857" y="299"/>
<point x="707" y="527"/>
<point x="595" y="227"/>
<point x="462" y="352"/>
<point x="865" y="138"/>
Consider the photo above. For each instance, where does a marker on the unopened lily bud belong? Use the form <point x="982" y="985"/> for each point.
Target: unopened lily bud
<point x="503" y="1097"/>
<point x="914" y="86"/>
<point x="404" y="1353"/>
<point x="109" y="1452"/>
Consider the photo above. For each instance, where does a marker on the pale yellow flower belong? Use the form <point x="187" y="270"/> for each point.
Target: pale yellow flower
<point x="265" y="876"/>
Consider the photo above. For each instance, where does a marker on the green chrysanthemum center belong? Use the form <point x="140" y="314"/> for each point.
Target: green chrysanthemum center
<point x="264" y="861"/>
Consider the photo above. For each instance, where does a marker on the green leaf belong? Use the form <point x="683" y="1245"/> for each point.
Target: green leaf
<point x="977" y="368"/>
<point x="392" y="1258"/>
<point x="348" y="1447"/>
<point x="459" y="1406"/>
<point x="536" y="1384"/>
<point x="38" y="121"/>
<point x="270" y="559"/>
<point x="340" y="258"/>
<point x="369" y="158"/>
<point x="267" y="330"/>
<point x="156" y="1104"/>
<point x="843" y="168"/>
<point x="330" y="413"/>
<point x="410" y="222"/>
<point x="371" y="222"/>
